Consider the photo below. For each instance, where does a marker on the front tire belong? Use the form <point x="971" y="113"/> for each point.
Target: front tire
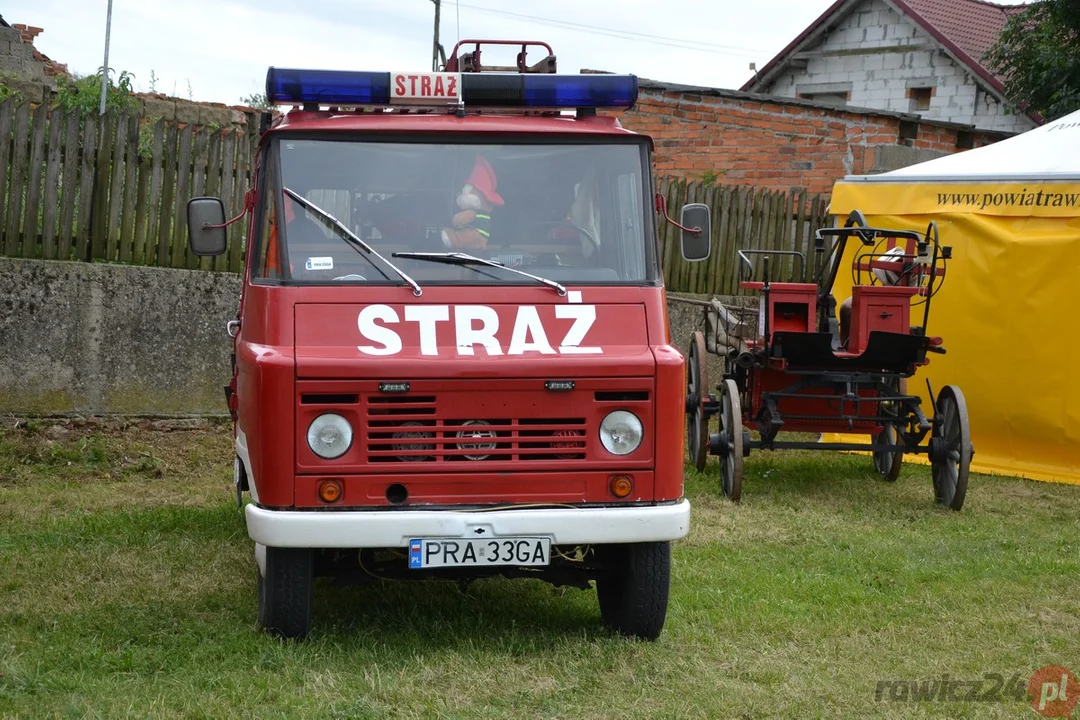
<point x="633" y="589"/>
<point x="286" y="591"/>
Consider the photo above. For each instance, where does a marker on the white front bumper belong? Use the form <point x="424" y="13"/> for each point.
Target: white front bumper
<point x="394" y="528"/>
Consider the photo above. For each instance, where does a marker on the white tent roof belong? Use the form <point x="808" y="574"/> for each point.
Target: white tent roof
<point x="1049" y="152"/>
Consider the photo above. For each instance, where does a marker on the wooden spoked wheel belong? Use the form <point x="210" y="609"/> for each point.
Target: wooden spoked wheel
<point x="731" y="441"/>
<point x="951" y="457"/>
<point x="888" y="462"/>
<point x="697" y="392"/>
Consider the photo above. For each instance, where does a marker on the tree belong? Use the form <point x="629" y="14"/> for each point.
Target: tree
<point x="1038" y="56"/>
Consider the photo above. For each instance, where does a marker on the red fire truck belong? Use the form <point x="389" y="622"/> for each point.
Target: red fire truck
<point x="451" y="355"/>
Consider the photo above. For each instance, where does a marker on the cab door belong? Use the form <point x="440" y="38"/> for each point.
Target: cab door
<point x="262" y="258"/>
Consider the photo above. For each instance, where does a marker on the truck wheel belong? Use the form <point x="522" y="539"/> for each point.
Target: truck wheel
<point x="286" y="592"/>
<point x="633" y="588"/>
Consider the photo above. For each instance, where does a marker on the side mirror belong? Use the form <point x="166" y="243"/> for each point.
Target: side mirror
<point x="696" y="246"/>
<point x="202" y="213"/>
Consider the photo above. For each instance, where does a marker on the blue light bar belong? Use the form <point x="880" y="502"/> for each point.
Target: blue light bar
<point x="578" y="91"/>
<point x="501" y="90"/>
<point x="328" y="87"/>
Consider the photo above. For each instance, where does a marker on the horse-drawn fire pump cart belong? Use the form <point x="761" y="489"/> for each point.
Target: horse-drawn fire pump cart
<point x="799" y="368"/>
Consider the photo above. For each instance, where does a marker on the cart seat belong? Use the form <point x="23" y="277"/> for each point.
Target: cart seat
<point x="885" y="352"/>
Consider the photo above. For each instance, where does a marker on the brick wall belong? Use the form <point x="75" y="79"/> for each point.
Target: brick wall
<point x="766" y="141"/>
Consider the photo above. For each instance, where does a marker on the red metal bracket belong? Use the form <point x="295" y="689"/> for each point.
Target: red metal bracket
<point x="249" y="204"/>
<point x="661" y="206"/>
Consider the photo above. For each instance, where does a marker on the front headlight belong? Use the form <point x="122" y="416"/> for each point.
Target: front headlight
<point x="621" y="432"/>
<point x="329" y="436"/>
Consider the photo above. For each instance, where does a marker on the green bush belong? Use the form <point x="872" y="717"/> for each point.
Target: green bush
<point x="84" y="93"/>
<point x="7" y="92"/>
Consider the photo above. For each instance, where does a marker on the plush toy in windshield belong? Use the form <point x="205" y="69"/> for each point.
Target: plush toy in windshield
<point x="472" y="226"/>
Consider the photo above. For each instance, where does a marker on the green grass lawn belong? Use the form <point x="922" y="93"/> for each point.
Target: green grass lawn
<point x="127" y="589"/>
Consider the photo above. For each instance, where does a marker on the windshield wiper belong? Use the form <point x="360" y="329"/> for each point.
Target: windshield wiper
<point x="458" y="258"/>
<point x="350" y="237"/>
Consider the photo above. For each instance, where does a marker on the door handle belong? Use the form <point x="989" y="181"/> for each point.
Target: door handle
<point x="232" y="327"/>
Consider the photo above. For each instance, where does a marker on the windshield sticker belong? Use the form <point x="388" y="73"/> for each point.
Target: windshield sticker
<point x="319" y="263"/>
<point x="476" y="325"/>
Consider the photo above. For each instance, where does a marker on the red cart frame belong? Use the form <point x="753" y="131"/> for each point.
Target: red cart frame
<point x="800" y="372"/>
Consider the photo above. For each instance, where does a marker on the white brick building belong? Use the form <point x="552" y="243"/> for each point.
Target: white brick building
<point x="910" y="56"/>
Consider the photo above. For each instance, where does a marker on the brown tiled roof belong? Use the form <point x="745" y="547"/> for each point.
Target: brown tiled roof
<point x="971" y="25"/>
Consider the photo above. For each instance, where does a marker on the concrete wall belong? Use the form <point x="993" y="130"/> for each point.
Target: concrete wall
<point x="685" y="318"/>
<point x="896" y="55"/>
<point x="21" y="70"/>
<point x="174" y="109"/>
<point x="97" y="339"/>
<point x="78" y="338"/>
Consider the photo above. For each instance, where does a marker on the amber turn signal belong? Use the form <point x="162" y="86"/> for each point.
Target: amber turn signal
<point x="621" y="486"/>
<point x="329" y="491"/>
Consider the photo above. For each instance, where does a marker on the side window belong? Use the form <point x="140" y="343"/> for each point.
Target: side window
<point x="628" y="217"/>
<point x="267" y="262"/>
<point x="585" y="212"/>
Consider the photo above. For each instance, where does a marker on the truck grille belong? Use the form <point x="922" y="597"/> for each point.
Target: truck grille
<point x="410" y="429"/>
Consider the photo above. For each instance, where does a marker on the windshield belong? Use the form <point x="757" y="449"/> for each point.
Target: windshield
<point x="567" y="212"/>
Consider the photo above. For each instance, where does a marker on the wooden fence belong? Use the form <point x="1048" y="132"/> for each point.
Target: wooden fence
<point x="743" y="218"/>
<point x="114" y="188"/>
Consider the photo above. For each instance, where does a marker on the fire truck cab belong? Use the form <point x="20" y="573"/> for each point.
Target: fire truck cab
<point x="451" y="355"/>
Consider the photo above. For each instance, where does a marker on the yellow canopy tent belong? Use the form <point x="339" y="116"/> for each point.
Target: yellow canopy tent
<point x="1009" y="309"/>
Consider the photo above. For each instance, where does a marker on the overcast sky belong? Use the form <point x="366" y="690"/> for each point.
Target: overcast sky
<point x="222" y="48"/>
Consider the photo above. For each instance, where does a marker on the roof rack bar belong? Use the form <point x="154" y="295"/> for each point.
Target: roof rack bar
<point x="470" y="61"/>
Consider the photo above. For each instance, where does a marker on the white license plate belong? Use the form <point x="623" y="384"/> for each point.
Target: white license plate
<point x="475" y="552"/>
